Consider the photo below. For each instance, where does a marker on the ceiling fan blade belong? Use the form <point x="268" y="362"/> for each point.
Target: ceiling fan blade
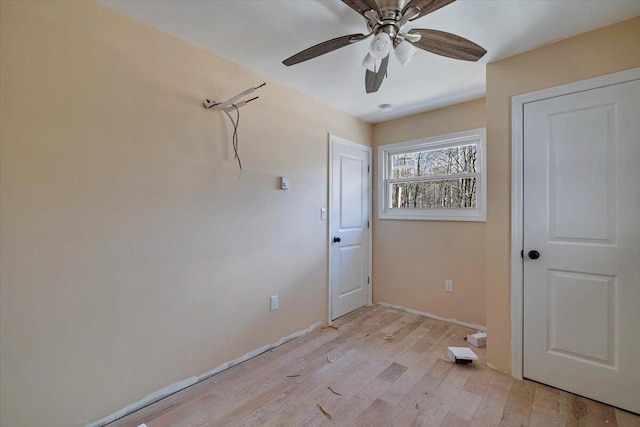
<point x="373" y="81"/>
<point x="425" y="6"/>
<point x="322" y="48"/>
<point x="447" y="44"/>
<point x="361" y="6"/>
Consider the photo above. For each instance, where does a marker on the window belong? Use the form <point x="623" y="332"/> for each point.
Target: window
<point x="439" y="178"/>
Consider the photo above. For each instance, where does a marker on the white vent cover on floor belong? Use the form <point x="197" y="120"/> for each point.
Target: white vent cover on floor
<point x="461" y="355"/>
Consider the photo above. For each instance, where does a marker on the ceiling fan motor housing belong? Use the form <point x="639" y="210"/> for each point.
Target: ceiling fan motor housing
<point x="389" y="19"/>
<point x="396" y="5"/>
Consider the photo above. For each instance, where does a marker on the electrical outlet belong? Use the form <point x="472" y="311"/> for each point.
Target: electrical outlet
<point x="448" y="285"/>
<point x="275" y="302"/>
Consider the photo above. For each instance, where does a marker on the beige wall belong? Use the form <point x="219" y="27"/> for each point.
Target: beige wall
<point x="412" y="259"/>
<point x="132" y="255"/>
<point x="607" y="50"/>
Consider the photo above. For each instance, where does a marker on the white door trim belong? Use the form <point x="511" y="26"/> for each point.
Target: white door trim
<point x="517" y="196"/>
<point x="335" y="138"/>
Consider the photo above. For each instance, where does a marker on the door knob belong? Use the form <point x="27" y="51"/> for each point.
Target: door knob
<point x="336" y="240"/>
<point x="534" y="254"/>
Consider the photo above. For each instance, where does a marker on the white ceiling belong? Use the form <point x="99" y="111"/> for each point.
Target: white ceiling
<point x="259" y="34"/>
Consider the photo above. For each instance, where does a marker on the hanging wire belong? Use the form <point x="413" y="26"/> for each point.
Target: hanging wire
<point x="234" y="138"/>
<point x="224" y="106"/>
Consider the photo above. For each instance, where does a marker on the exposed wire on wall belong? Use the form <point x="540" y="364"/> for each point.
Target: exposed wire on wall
<point x="234" y="138"/>
<point x="234" y="104"/>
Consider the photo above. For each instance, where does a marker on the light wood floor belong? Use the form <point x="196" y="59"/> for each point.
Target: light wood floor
<point x="388" y="369"/>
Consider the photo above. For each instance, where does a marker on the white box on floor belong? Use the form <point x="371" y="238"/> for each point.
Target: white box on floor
<point x="477" y="340"/>
<point x="461" y="355"/>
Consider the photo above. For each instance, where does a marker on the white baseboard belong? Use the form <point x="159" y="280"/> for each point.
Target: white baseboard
<point x="173" y="388"/>
<point x="433" y="316"/>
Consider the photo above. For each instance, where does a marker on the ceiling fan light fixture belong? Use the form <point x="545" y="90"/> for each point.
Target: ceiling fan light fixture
<point x="369" y="63"/>
<point x="405" y="51"/>
<point x="380" y="46"/>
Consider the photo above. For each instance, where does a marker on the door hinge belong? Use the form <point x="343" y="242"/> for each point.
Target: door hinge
<point x="368" y="168"/>
<point x="368" y="225"/>
<point x="368" y="279"/>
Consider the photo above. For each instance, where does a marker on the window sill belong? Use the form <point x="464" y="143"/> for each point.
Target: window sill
<point x="432" y="216"/>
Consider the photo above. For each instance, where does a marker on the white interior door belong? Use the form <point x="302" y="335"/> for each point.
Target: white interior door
<point x="582" y="215"/>
<point x="349" y="255"/>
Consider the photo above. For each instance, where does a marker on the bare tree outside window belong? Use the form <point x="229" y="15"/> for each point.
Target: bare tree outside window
<point x="437" y="178"/>
<point x="446" y="182"/>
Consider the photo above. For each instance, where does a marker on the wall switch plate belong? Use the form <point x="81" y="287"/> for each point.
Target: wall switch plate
<point x="275" y="302"/>
<point x="448" y="285"/>
<point x="323" y="213"/>
<point x="284" y="182"/>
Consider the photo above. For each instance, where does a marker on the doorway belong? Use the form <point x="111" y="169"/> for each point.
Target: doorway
<point x="349" y="226"/>
<point x="576" y="238"/>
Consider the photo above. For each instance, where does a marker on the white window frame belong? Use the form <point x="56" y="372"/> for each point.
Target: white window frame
<point x="385" y="152"/>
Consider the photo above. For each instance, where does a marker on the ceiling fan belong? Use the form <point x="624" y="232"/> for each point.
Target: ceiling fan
<point x="385" y="20"/>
